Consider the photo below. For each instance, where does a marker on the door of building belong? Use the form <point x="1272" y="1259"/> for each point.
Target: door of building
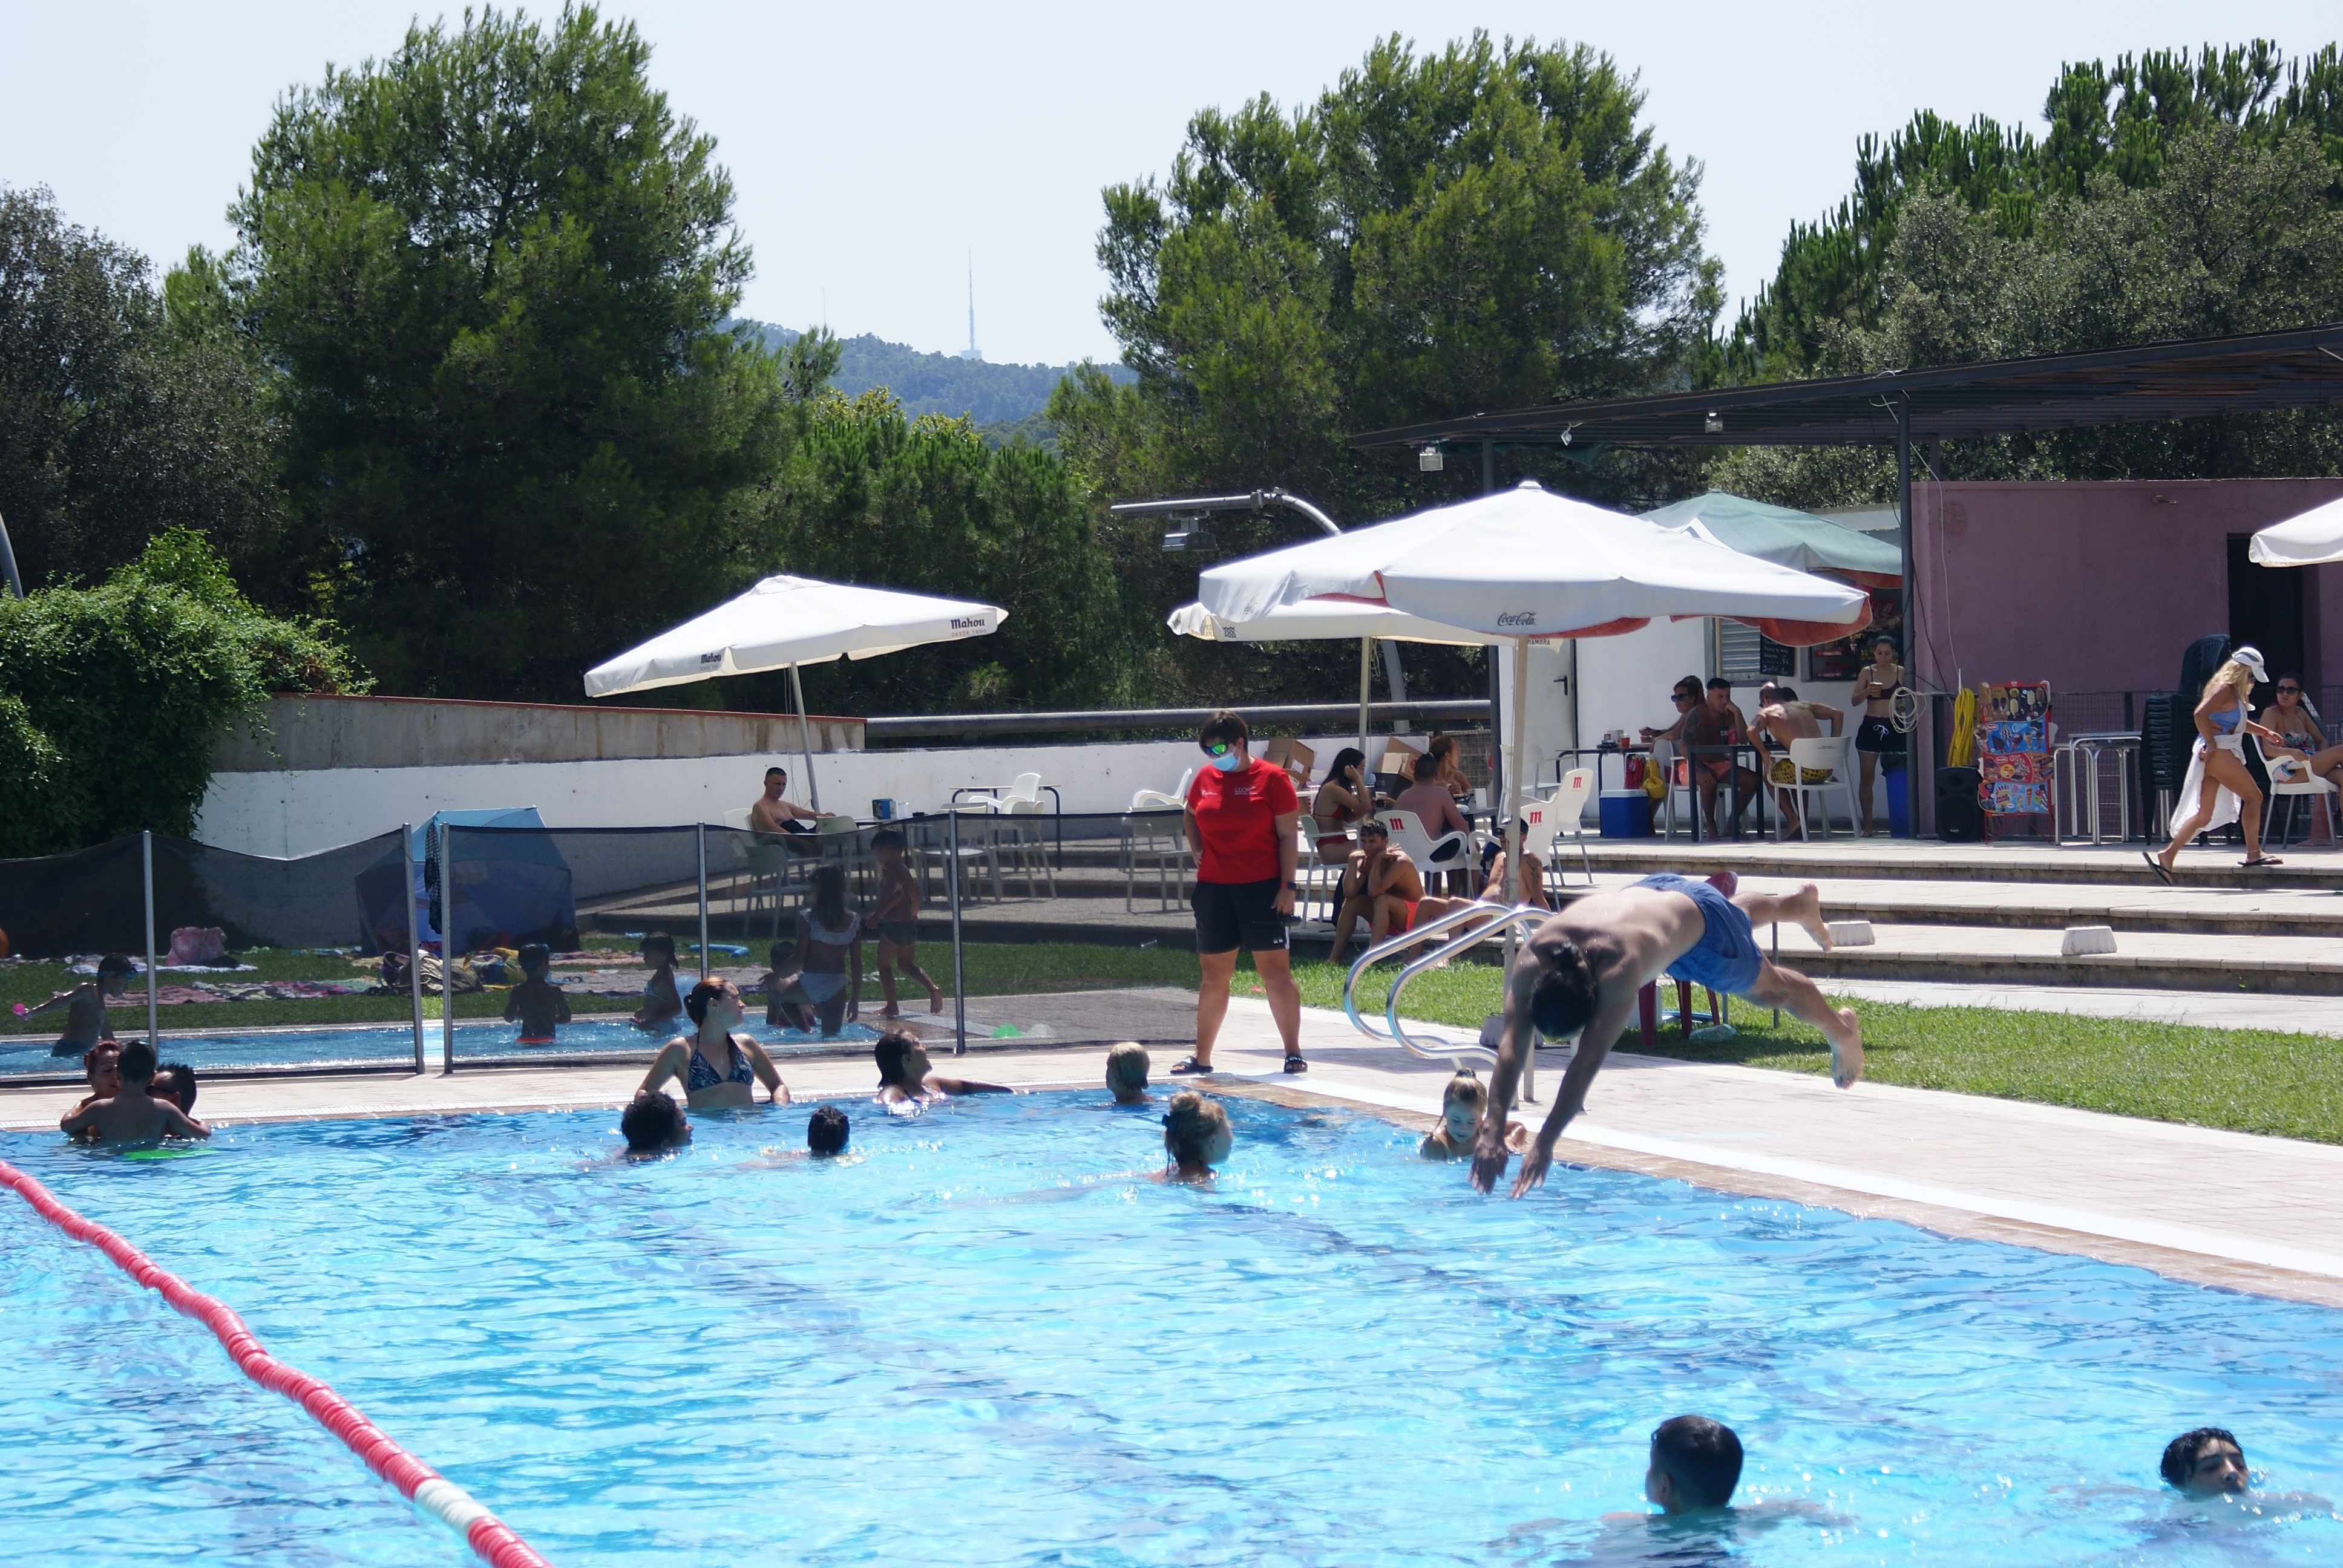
<point x="2265" y="610"/>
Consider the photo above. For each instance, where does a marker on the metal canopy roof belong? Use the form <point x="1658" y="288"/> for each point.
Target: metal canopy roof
<point x="2177" y="380"/>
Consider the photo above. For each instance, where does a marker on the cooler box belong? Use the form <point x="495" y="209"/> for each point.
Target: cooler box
<point x="1627" y="814"/>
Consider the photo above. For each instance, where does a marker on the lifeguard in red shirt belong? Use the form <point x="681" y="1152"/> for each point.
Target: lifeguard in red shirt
<point x="1242" y="817"/>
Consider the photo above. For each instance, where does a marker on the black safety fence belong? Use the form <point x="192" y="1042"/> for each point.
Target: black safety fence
<point x="419" y="949"/>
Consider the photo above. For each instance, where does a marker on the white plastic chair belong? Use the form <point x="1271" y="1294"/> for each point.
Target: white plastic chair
<point x="1028" y="787"/>
<point x="1663" y="758"/>
<point x="1317" y="876"/>
<point x="1408" y="836"/>
<point x="1027" y="850"/>
<point x="1832" y="757"/>
<point x="1560" y="813"/>
<point x="1155" y="800"/>
<point x="2290" y="778"/>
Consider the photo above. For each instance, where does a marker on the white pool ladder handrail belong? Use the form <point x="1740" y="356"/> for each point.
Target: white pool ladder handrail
<point x="1500" y="918"/>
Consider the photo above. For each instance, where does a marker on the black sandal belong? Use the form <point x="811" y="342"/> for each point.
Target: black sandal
<point x="1189" y="1067"/>
<point x="1295" y="1064"/>
<point x="2258" y="864"/>
<point x="2163" y="873"/>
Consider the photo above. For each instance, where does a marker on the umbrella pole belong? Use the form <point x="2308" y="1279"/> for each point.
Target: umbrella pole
<point x="1514" y="797"/>
<point x="1366" y="695"/>
<point x="805" y="738"/>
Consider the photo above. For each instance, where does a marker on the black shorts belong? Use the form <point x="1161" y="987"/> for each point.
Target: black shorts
<point x="1233" y="915"/>
<point x="1876" y="736"/>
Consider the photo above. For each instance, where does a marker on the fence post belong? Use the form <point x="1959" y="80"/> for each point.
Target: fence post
<point x="153" y="1013"/>
<point x="447" y="949"/>
<point x="701" y="831"/>
<point x="960" y="986"/>
<point x="414" y="935"/>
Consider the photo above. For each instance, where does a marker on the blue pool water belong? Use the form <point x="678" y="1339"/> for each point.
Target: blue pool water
<point x="978" y="1341"/>
<point x="386" y="1043"/>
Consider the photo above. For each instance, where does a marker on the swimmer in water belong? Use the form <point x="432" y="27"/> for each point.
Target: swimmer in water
<point x="662" y="1007"/>
<point x="1196" y="1137"/>
<point x="905" y="1077"/>
<point x="718" y="1068"/>
<point x="653" y="1124"/>
<point x="1461" y="1105"/>
<point x="1126" y="1073"/>
<point x="1695" y="1464"/>
<point x="84" y="1006"/>
<point x="827" y="1131"/>
<point x="175" y="1082"/>
<point x="537" y="1004"/>
<point x="133" y="1115"/>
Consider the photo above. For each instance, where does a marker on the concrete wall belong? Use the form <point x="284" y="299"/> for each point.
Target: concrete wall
<point x="287" y="812"/>
<point x="2099" y="586"/>
<point x="308" y="733"/>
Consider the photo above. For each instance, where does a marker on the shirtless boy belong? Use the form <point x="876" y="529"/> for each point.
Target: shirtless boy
<point x="1381" y="886"/>
<point x="1578" y="975"/>
<point x="133" y="1115"/>
<point x="897" y="916"/>
<point x="84" y="1006"/>
<point x="537" y="1004"/>
<point x="1781" y="717"/>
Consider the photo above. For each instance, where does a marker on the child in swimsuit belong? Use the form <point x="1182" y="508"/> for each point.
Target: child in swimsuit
<point x="537" y="1003"/>
<point x="84" y="1006"/>
<point x="662" y="1008"/>
<point x="829" y="978"/>
<point x="1461" y="1106"/>
<point x="897" y="916"/>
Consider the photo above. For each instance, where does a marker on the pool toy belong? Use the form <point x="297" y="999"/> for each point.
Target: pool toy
<point x="490" y="1539"/>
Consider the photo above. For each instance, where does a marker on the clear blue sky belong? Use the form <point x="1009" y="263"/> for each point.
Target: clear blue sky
<point x="876" y="146"/>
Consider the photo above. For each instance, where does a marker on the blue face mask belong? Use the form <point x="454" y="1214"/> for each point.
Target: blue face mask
<point x="1229" y="762"/>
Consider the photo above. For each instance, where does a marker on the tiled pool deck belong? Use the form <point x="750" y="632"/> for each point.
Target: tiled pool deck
<point x="2260" y="1214"/>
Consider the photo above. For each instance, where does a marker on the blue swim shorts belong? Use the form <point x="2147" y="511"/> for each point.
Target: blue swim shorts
<point x="1725" y="958"/>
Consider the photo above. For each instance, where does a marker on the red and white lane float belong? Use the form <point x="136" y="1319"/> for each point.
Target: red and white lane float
<point x="489" y="1537"/>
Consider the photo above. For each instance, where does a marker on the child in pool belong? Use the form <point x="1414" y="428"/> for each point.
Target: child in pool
<point x="780" y="1014"/>
<point x="1126" y="1073"/>
<point x="662" y="1008"/>
<point x="826" y="984"/>
<point x="84" y="1006"/>
<point x="537" y="1003"/>
<point x="133" y="1115"/>
<point x="1461" y="1106"/>
<point x="1196" y="1137"/>
<point x="897" y="916"/>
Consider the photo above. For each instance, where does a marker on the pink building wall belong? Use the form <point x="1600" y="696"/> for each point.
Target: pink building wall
<point x="2099" y="586"/>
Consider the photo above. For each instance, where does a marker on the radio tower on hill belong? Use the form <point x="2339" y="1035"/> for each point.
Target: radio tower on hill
<point x="970" y="351"/>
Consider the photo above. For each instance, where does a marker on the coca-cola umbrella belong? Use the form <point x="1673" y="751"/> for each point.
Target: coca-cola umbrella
<point x="1526" y="565"/>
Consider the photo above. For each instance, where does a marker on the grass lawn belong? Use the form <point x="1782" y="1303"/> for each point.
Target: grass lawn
<point x="2247" y="1080"/>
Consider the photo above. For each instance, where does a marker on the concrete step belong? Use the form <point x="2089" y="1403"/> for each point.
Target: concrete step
<point x="1971" y="955"/>
<point x="1875" y="860"/>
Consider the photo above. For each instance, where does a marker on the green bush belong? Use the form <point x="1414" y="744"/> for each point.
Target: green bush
<point x="111" y="697"/>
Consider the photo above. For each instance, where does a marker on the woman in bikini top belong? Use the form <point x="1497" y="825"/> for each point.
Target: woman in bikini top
<point x="1341" y="802"/>
<point x="691" y="1060"/>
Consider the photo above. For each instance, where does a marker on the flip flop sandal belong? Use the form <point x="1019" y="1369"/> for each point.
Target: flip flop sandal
<point x="1295" y="1064"/>
<point x="2162" y="874"/>
<point x="2265" y="861"/>
<point x="1189" y="1067"/>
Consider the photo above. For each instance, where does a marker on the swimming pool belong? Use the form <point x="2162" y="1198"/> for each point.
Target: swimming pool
<point x="975" y="1343"/>
<point x="374" y="1044"/>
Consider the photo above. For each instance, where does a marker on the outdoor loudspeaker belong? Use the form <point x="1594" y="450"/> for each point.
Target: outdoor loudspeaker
<point x="1959" y="818"/>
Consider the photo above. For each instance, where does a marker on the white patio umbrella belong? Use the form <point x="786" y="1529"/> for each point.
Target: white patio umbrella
<point x="2312" y="538"/>
<point x="784" y="622"/>
<point x="1526" y="565"/>
<point x="1326" y="620"/>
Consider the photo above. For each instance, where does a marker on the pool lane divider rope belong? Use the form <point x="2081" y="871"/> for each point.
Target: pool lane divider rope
<point x="490" y="1539"/>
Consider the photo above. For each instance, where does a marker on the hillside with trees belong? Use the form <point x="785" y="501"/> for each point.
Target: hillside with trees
<point x="1005" y="402"/>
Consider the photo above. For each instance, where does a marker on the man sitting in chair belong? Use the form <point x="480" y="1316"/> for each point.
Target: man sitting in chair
<point x="1579" y="973"/>
<point x="771" y="817"/>
<point x="1781" y="718"/>
<point x="1381" y="886"/>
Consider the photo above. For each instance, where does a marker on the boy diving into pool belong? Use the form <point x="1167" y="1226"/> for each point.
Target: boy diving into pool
<point x="1579" y="973"/>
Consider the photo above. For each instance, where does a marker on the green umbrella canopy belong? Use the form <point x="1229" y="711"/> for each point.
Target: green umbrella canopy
<point x="1787" y="538"/>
